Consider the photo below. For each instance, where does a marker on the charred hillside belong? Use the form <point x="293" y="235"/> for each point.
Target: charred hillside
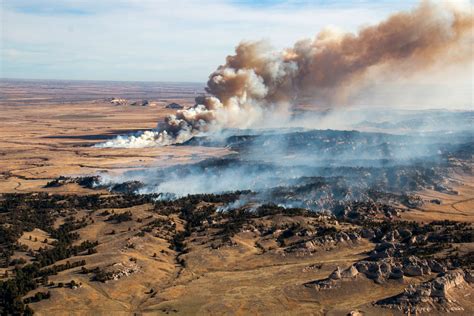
<point x="316" y="169"/>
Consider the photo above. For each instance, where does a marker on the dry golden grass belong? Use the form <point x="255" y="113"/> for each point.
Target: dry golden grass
<point x="232" y="280"/>
<point x="116" y="297"/>
<point x="458" y="207"/>
<point x="35" y="239"/>
<point x="41" y="142"/>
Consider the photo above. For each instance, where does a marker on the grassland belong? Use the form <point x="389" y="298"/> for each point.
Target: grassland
<point x="154" y="272"/>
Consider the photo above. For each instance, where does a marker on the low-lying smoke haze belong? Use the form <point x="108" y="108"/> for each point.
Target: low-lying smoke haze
<point x="259" y="87"/>
<point x="300" y="167"/>
<point x="309" y="126"/>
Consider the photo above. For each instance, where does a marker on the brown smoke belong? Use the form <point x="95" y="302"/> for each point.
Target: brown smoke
<point x="323" y="68"/>
<point x="257" y="81"/>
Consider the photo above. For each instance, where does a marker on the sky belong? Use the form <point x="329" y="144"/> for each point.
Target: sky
<point x="155" y="40"/>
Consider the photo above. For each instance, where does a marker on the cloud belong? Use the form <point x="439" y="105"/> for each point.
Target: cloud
<point x="63" y="7"/>
<point x="158" y="40"/>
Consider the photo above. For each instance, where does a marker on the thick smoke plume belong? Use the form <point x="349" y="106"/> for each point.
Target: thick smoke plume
<point x="257" y="83"/>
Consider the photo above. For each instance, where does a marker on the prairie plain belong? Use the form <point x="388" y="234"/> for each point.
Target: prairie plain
<point x="94" y="250"/>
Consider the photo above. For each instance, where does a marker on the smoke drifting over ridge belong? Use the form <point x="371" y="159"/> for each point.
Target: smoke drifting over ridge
<point x="258" y="83"/>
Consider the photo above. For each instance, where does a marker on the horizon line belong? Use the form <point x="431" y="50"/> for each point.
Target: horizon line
<point x="100" y="80"/>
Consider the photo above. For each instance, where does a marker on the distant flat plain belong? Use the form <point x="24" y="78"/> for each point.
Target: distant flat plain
<point x="49" y="128"/>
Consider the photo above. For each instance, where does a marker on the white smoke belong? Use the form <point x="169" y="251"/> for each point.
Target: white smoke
<point x="257" y="83"/>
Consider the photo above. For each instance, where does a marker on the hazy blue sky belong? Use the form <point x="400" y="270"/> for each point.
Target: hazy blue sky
<point x="159" y="40"/>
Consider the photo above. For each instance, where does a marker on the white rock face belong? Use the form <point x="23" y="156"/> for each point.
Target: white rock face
<point x="350" y="272"/>
<point x="435" y="295"/>
<point x="119" y="101"/>
<point x="124" y="269"/>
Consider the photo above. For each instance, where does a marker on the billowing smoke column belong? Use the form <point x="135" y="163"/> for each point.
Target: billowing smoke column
<point x="257" y="82"/>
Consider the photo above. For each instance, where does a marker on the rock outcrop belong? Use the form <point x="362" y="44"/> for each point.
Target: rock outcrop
<point x="382" y="270"/>
<point x="327" y="241"/>
<point x="119" y="101"/>
<point x="334" y="279"/>
<point x="394" y="268"/>
<point x="435" y="295"/>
